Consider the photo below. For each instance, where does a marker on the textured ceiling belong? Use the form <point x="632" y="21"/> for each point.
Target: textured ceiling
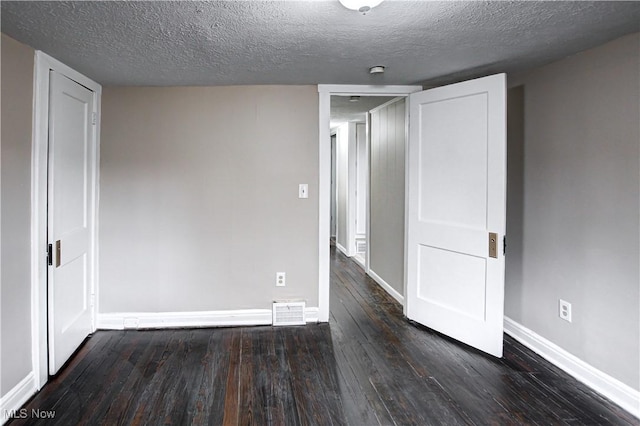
<point x="310" y="42"/>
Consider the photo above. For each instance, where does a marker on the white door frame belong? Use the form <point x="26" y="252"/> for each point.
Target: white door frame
<point x="324" y="183"/>
<point x="43" y="64"/>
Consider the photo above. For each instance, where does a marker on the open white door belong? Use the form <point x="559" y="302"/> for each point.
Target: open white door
<point x="70" y="197"/>
<point x="456" y="202"/>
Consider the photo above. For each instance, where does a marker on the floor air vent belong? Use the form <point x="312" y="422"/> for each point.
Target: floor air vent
<point x="288" y="313"/>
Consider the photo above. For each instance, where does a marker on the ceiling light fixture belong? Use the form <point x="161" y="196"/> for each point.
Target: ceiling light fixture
<point x="378" y="69"/>
<point x="362" y="6"/>
<point x="354" y="98"/>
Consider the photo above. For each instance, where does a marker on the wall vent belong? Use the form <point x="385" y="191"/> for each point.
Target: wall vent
<point x="361" y="246"/>
<point x="288" y="313"/>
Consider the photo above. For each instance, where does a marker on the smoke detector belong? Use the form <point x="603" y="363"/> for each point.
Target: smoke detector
<point x="362" y="6"/>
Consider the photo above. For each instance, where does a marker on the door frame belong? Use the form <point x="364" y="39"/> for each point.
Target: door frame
<point x="39" y="179"/>
<point x="325" y="91"/>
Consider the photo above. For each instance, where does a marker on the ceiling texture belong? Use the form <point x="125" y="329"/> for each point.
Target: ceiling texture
<point x="166" y="43"/>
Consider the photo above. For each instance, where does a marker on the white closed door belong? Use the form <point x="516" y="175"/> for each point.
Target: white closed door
<point x="456" y="211"/>
<point x="70" y="197"/>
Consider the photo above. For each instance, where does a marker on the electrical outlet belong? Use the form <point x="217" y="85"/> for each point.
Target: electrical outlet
<point x="131" y="322"/>
<point x="280" y="279"/>
<point x="564" y="310"/>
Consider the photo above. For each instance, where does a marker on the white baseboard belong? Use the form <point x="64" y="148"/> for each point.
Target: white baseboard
<point x="246" y="317"/>
<point x="618" y="392"/>
<point x="392" y="291"/>
<point x="360" y="260"/>
<point x="342" y="249"/>
<point x="17" y="396"/>
<point x="122" y="320"/>
<point x="312" y="315"/>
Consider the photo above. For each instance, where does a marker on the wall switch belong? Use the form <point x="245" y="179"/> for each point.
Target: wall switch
<point x="564" y="310"/>
<point x="280" y="279"/>
<point x="303" y="190"/>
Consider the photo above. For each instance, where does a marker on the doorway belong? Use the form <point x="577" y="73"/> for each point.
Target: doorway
<point x="64" y="213"/>
<point x="450" y="129"/>
<point x="324" y="228"/>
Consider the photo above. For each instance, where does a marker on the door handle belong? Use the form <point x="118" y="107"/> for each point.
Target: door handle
<point x="493" y="245"/>
<point x="58" y="252"/>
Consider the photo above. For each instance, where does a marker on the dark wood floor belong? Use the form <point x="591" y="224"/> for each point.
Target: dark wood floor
<point x="368" y="366"/>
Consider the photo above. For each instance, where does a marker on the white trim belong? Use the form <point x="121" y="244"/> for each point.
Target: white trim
<point x="161" y="320"/>
<point x="324" y="204"/>
<point x="405" y="265"/>
<point x="352" y="182"/>
<point x="39" y="220"/>
<point x="363" y="90"/>
<point x="392" y="291"/>
<point x="360" y="260"/>
<point x="618" y="392"/>
<point x="42" y="65"/>
<point x="96" y="210"/>
<point x="342" y="249"/>
<point x="116" y="321"/>
<point x="311" y="314"/>
<point x="324" y="174"/>
<point x="367" y="253"/>
<point x="17" y="396"/>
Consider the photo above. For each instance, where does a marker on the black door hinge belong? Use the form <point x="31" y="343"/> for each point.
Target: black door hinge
<point x="50" y="254"/>
<point x="504" y="245"/>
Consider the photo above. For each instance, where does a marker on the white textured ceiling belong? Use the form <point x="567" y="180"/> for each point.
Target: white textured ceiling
<point x="310" y="42"/>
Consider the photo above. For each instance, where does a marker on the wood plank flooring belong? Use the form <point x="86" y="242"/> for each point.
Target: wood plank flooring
<point x="368" y="366"/>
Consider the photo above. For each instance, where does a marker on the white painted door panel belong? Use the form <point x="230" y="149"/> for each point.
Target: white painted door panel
<point x="456" y="190"/>
<point x="71" y="149"/>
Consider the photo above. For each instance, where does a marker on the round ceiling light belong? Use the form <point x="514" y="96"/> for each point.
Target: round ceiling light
<point x="378" y="69"/>
<point x="362" y="6"/>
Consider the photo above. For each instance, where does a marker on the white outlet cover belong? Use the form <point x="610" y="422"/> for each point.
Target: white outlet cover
<point x="564" y="310"/>
<point x="281" y="279"/>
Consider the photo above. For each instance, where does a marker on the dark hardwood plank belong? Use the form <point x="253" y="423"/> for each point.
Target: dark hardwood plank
<point x="368" y="366"/>
<point x="232" y="394"/>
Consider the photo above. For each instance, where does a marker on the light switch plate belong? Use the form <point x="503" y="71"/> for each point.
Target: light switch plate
<point x="303" y="190"/>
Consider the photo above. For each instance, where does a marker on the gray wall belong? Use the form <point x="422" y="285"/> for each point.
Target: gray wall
<point x="515" y="197"/>
<point x="580" y="207"/>
<point x="387" y="168"/>
<point x="15" y="277"/>
<point x="199" y="199"/>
